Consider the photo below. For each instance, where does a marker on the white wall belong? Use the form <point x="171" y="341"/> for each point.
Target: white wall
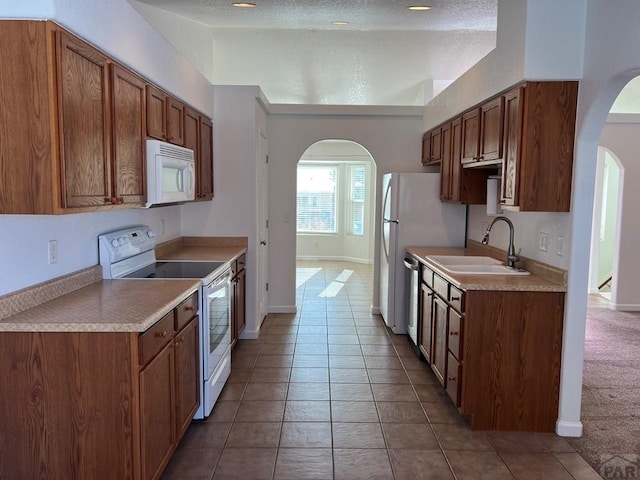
<point x="607" y="249"/>
<point x="233" y="210"/>
<point x="119" y="30"/>
<point x="393" y="139"/>
<point x="623" y="140"/>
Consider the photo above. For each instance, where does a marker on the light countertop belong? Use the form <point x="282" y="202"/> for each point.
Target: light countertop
<point x="128" y="305"/>
<point x="534" y="282"/>
<point x="203" y="253"/>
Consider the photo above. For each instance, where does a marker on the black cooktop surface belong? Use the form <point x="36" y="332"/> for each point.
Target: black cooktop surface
<point x="176" y="270"/>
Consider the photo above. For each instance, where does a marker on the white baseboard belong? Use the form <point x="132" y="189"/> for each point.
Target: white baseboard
<point x="249" y="334"/>
<point x="569" y="429"/>
<point x="282" y="309"/>
<point x="315" y="258"/>
<point x="622" y="307"/>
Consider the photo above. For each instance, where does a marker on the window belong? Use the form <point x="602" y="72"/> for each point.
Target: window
<point x="316" y="199"/>
<point x="356" y="199"/>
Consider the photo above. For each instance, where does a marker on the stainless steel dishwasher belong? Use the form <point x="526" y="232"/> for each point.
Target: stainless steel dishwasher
<point x="413" y="282"/>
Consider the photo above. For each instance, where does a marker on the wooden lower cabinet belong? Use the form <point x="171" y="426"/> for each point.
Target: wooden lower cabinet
<point x="238" y="298"/>
<point x="95" y="404"/>
<point x="496" y="353"/>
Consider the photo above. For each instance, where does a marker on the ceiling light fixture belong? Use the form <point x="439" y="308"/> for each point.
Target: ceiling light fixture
<point x="419" y="8"/>
<point x="339" y="22"/>
<point x="244" y="5"/>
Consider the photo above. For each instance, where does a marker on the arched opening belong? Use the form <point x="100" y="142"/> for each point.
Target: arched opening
<point x="335" y="204"/>
<point x="605" y="340"/>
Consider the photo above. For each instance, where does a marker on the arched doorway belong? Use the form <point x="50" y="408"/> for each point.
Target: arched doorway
<point x="335" y="212"/>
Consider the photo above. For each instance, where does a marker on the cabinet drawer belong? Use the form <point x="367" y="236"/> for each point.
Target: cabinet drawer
<point x="441" y="287"/>
<point x="456" y="297"/>
<point x="455" y="333"/>
<point x="154" y="339"/>
<point x="427" y="276"/>
<point x="454" y="370"/>
<point x="186" y="311"/>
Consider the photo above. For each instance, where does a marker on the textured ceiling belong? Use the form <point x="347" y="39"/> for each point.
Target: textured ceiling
<point x="445" y="15"/>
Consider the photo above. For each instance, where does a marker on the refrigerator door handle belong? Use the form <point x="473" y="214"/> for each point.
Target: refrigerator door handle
<point x="385" y="220"/>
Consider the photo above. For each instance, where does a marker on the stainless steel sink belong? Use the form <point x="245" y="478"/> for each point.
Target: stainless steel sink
<point x="474" y="265"/>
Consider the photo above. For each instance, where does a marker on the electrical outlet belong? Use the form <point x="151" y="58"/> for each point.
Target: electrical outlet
<point x="544" y="241"/>
<point x="560" y="245"/>
<point x="53" y="251"/>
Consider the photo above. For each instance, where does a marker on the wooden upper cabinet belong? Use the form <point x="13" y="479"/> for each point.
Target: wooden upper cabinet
<point x="491" y="130"/>
<point x="191" y="131"/>
<point x="156" y="113"/>
<point x="446" y="180"/>
<point x="539" y="146"/>
<point x="129" y="126"/>
<point x="205" y="169"/>
<point x="175" y="121"/>
<point x="482" y="133"/>
<point x="84" y="122"/>
<point x="432" y="147"/>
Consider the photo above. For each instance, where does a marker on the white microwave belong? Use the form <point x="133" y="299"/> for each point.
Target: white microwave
<point x="170" y="173"/>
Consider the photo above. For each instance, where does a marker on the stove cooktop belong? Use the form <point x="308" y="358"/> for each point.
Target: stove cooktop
<point x="176" y="270"/>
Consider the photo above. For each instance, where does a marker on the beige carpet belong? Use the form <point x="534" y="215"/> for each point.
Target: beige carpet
<point x="611" y="386"/>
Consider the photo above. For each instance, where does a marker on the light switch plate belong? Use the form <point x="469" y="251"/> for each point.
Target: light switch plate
<point x="544" y="241"/>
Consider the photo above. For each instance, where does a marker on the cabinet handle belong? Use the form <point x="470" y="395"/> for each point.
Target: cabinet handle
<point x="107" y="200"/>
<point x="430" y="294"/>
<point x="453" y="334"/>
<point x="120" y="199"/>
<point x="455" y="299"/>
<point x="452" y="379"/>
<point x="161" y="334"/>
<point x="189" y="309"/>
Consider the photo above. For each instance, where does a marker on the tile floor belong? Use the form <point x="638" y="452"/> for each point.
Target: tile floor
<point x="327" y="393"/>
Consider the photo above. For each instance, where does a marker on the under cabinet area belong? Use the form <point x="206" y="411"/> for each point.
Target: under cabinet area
<point x="79" y="122"/>
<point x="98" y="404"/>
<point x="495" y="352"/>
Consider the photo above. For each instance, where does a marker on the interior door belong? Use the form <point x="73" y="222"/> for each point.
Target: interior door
<point x="263" y="224"/>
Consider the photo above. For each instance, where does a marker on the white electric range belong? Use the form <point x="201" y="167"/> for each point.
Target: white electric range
<point x="129" y="253"/>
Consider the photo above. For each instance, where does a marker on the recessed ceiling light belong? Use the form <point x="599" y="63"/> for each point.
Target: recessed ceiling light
<point x="244" y="5"/>
<point x="419" y="8"/>
<point x="339" y="22"/>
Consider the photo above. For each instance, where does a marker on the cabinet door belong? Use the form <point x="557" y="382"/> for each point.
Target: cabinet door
<point x="187" y="376"/>
<point x="426" y="327"/>
<point x="84" y="123"/>
<point x="471" y="136"/>
<point x="426" y="148"/>
<point x="491" y="129"/>
<point x="439" y="344"/>
<point x="129" y="134"/>
<point x="205" y="170"/>
<point x="156" y="113"/>
<point x="436" y="145"/>
<point x="512" y="127"/>
<point x="455" y="333"/>
<point x="454" y="371"/>
<point x="157" y="413"/>
<point x="175" y="121"/>
<point x="446" y="165"/>
<point x="192" y="141"/>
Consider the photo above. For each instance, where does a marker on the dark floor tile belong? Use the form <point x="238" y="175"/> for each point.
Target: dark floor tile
<point x="309" y="375"/>
<point x="223" y="411"/>
<point x="401" y="412"/>
<point x="461" y="437"/>
<point x="362" y="464"/>
<point x="348" y="375"/>
<point x="534" y="465"/>
<point x="205" y="435"/>
<point x="304" y="464"/>
<point x="314" y="361"/>
<point x="478" y="465"/>
<point x="382" y="362"/>
<point x="411" y="436"/>
<point x="254" y="435"/>
<point x="346" y="361"/>
<point x="266" y="391"/>
<point x="345" y="411"/>
<point x="387" y="376"/>
<point x="308" y="391"/>
<point x="306" y="435"/>
<point x="307" y="411"/>
<point x="269" y="375"/>
<point x="192" y="464"/>
<point x="420" y="465"/>
<point x="260" y="411"/>
<point x="351" y="391"/>
<point x="337" y="349"/>
<point x="577" y="466"/>
<point x="246" y="463"/>
<point x="274" y="361"/>
<point x="386" y="392"/>
<point x="357" y="435"/>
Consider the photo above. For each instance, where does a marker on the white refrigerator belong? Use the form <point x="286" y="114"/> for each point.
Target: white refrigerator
<point x="412" y="215"/>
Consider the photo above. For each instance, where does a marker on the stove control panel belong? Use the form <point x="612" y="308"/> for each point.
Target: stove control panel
<point x="123" y="244"/>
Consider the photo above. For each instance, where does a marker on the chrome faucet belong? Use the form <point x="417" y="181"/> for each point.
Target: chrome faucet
<point x="512" y="256"/>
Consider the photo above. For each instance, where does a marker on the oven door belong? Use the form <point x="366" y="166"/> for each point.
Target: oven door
<point x="217" y="324"/>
